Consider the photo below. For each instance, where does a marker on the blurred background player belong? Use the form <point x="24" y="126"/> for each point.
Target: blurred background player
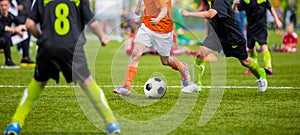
<point x="257" y="28"/>
<point x="61" y="48"/>
<point x="180" y="26"/>
<point x="156" y="30"/>
<point x="223" y="29"/>
<point x="289" y="41"/>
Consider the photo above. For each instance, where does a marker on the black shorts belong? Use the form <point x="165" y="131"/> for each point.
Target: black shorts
<point x="50" y="61"/>
<point x="261" y="38"/>
<point x="212" y="42"/>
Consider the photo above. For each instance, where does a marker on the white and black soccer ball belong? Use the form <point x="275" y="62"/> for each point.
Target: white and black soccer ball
<point x="155" y="88"/>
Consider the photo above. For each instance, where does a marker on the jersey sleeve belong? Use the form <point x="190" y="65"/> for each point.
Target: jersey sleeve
<point x="2" y="27"/>
<point x="241" y="6"/>
<point x="220" y="6"/>
<point x="34" y="14"/>
<point x="86" y="11"/>
<point x="295" y="37"/>
<point x="268" y="5"/>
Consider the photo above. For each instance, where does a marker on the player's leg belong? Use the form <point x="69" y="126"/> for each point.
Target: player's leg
<point x="200" y="65"/>
<point x="163" y="44"/>
<point x="131" y="70"/>
<point x="132" y="67"/>
<point x="74" y="68"/>
<point x="26" y="61"/>
<point x="142" y="41"/>
<point x="99" y="101"/>
<point x="27" y="102"/>
<point x="179" y="66"/>
<point x="267" y="59"/>
<point x="252" y="50"/>
<point x="258" y="72"/>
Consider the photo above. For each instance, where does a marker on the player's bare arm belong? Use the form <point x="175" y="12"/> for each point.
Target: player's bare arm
<point x="204" y="14"/>
<point x="234" y="5"/>
<point x="276" y="19"/>
<point x="96" y="29"/>
<point x="161" y="15"/>
<point x="138" y="8"/>
<point x="31" y="27"/>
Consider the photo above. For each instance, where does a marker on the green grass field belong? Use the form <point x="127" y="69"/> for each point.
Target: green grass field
<point x="236" y="109"/>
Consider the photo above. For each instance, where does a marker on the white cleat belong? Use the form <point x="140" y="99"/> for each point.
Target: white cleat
<point x="262" y="84"/>
<point x="191" y="88"/>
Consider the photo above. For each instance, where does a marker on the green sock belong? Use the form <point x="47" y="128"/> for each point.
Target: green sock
<point x="253" y="55"/>
<point x="200" y="64"/>
<point x="99" y="101"/>
<point x="267" y="59"/>
<point x="255" y="69"/>
<point x="30" y="96"/>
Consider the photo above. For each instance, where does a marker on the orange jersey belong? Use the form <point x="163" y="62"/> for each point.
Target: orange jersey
<point x="152" y="10"/>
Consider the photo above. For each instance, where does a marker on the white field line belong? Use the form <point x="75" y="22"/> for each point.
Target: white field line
<point x="209" y="87"/>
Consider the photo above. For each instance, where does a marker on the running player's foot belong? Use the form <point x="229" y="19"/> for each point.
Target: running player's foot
<point x="13" y="129"/>
<point x="10" y="64"/>
<point x="113" y="128"/>
<point x="122" y="91"/>
<point x="269" y="71"/>
<point x="192" y="88"/>
<point x="27" y="62"/>
<point x="248" y="72"/>
<point x="185" y="75"/>
<point x="262" y="82"/>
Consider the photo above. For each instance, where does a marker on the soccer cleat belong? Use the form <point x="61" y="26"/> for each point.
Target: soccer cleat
<point x="27" y="62"/>
<point x="192" y="88"/>
<point x="269" y="71"/>
<point x="262" y="82"/>
<point x="113" y="128"/>
<point x="13" y="129"/>
<point x="248" y="72"/>
<point x="185" y="75"/>
<point x="122" y="91"/>
<point x="10" y="64"/>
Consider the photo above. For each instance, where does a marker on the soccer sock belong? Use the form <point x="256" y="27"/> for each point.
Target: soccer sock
<point x="200" y="64"/>
<point x="129" y="76"/>
<point x="99" y="101"/>
<point x="177" y="65"/>
<point x="253" y="55"/>
<point x="30" y="96"/>
<point x="267" y="59"/>
<point x="255" y="69"/>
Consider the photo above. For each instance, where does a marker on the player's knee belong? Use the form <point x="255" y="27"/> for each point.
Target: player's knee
<point x="165" y="62"/>
<point x="245" y="62"/>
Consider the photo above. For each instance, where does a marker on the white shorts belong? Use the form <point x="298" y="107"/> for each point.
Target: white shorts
<point x="158" y="41"/>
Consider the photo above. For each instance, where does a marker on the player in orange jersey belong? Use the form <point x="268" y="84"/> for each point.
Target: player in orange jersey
<point x="156" y="30"/>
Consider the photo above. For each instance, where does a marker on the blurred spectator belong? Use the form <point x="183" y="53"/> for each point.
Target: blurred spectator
<point x="289" y="41"/>
<point x="6" y="20"/>
<point x="24" y="7"/>
<point x="290" y="15"/>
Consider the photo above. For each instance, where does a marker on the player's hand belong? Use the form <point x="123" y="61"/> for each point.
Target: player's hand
<point x="279" y="24"/>
<point x="20" y="30"/>
<point x="138" y="10"/>
<point x="105" y="40"/>
<point x="184" y="13"/>
<point x="153" y="21"/>
<point x="236" y="2"/>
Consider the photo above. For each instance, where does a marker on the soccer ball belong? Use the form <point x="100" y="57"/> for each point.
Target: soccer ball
<point x="155" y="88"/>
